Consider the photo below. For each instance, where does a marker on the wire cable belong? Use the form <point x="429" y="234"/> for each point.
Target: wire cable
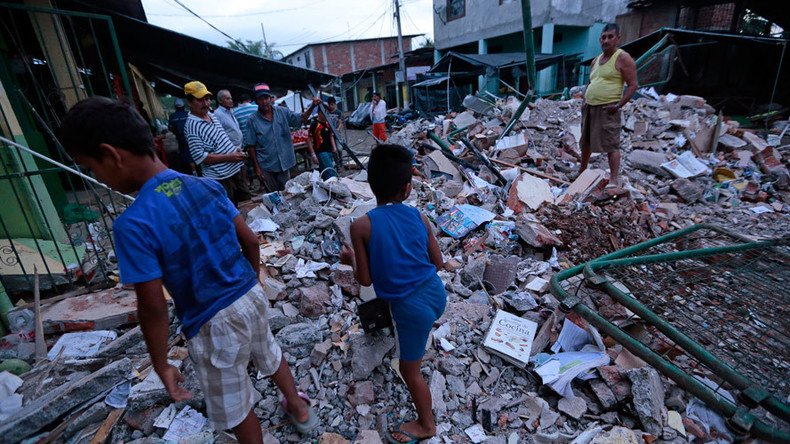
<point x="237" y="41"/>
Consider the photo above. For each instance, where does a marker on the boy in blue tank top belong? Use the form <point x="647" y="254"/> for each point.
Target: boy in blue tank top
<point x="395" y="250"/>
<point x="183" y="232"/>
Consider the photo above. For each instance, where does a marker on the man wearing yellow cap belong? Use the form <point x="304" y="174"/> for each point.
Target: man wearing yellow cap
<point x="210" y="146"/>
<point x="603" y="100"/>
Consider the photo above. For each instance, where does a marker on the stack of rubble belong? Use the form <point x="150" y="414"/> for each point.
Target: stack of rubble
<point x="508" y="214"/>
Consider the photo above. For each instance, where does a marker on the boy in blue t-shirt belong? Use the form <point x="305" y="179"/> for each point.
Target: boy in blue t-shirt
<point x="183" y="232"/>
<point x="395" y="250"/>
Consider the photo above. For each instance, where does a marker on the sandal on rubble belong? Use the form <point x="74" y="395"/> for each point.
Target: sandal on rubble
<point x="307" y="425"/>
<point x="398" y="429"/>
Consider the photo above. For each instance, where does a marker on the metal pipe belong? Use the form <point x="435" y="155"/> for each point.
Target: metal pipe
<point x="483" y="158"/>
<point x="652" y="50"/>
<point x="119" y="56"/>
<point x="776" y="81"/>
<point x="65" y="167"/>
<point x="759" y="395"/>
<point x="754" y="426"/>
<point x="529" y="44"/>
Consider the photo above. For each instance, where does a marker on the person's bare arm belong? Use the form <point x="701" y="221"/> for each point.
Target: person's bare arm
<point x="627" y="67"/>
<point x="332" y="140"/>
<point x="306" y="114"/>
<point x="211" y="159"/>
<point x="249" y="243"/>
<point x="360" y="235"/>
<point x="155" y="324"/>
<point x="434" y="253"/>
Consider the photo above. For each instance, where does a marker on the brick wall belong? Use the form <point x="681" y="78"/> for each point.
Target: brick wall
<point x="367" y="54"/>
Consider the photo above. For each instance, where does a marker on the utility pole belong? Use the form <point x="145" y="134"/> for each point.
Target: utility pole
<point x="265" y="45"/>
<point x="401" y="61"/>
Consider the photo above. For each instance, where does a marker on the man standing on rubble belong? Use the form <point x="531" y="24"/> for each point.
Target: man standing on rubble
<point x="604" y="98"/>
<point x="210" y="146"/>
<point x="267" y="135"/>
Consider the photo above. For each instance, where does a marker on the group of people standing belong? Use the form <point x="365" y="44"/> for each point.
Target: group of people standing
<point x="257" y="134"/>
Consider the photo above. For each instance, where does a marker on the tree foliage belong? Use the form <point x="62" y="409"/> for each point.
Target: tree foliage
<point x="257" y="48"/>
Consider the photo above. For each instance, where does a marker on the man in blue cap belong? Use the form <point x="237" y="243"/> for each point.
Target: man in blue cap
<point x="267" y="136"/>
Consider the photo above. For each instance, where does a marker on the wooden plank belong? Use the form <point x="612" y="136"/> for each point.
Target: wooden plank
<point x="41" y="346"/>
<point x="106" y="427"/>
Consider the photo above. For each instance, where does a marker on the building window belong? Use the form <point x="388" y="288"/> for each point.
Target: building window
<point x="307" y="60"/>
<point x="455" y="9"/>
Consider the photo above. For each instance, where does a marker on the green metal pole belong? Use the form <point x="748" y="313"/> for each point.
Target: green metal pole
<point x="652" y="50"/>
<point x="119" y="56"/>
<point x="529" y="44"/>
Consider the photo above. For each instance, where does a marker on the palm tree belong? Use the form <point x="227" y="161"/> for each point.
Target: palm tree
<point x="257" y="48"/>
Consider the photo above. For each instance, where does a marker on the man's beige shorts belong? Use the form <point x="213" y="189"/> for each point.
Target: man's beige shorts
<point x="600" y="130"/>
<point x="221" y="351"/>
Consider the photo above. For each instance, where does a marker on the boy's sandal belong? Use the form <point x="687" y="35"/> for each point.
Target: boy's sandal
<point x="309" y="424"/>
<point x="398" y="429"/>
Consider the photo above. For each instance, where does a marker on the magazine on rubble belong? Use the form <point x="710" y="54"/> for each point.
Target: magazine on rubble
<point x="510" y="337"/>
<point x="685" y="166"/>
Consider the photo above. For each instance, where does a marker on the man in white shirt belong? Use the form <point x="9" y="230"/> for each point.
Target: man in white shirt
<point x="378" y="111"/>
<point x="227" y="119"/>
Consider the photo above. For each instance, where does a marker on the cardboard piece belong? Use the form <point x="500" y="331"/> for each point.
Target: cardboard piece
<point x="529" y="190"/>
<point x="438" y="162"/>
<point x="582" y="186"/>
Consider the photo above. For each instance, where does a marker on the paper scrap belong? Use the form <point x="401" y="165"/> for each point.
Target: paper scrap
<point x="263" y="225"/>
<point x="476" y="433"/>
<point x="187" y="423"/>
<point x="761" y="209"/>
<point x="460" y="220"/>
<point x="559" y="370"/>
<point x="166" y="417"/>
<point x="81" y="345"/>
<point x="308" y="269"/>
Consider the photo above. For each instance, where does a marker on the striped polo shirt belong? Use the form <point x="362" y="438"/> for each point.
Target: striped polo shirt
<point x="243" y="113"/>
<point x="206" y="138"/>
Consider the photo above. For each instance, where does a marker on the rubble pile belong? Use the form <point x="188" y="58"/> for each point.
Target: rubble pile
<point x="508" y="214"/>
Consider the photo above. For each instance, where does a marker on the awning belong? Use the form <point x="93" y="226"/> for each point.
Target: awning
<point x="474" y="63"/>
<point x="172" y="59"/>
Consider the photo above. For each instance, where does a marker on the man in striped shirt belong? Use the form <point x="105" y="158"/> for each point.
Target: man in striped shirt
<point x="210" y="146"/>
<point x="244" y="110"/>
<point x="242" y="113"/>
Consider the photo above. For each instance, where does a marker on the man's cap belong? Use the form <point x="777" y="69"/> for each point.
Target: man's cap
<point x="262" y="89"/>
<point x="179" y="103"/>
<point x="196" y="90"/>
<point x="375" y="93"/>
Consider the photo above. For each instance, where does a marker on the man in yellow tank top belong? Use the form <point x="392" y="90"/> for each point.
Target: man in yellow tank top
<point x="603" y="99"/>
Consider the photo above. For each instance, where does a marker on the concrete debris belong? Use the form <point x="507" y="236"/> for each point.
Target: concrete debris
<point x="519" y="212"/>
<point x="648" y="399"/>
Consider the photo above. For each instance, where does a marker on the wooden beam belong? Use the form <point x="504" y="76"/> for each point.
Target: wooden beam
<point x="106" y="427"/>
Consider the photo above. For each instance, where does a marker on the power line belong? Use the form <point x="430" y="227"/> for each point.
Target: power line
<point x="351" y="37"/>
<point x="238" y="42"/>
<point x="245" y="14"/>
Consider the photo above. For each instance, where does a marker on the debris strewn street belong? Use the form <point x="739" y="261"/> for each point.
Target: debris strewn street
<point x="509" y="212"/>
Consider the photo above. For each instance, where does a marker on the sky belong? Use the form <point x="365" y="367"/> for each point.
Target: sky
<point x="293" y="23"/>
